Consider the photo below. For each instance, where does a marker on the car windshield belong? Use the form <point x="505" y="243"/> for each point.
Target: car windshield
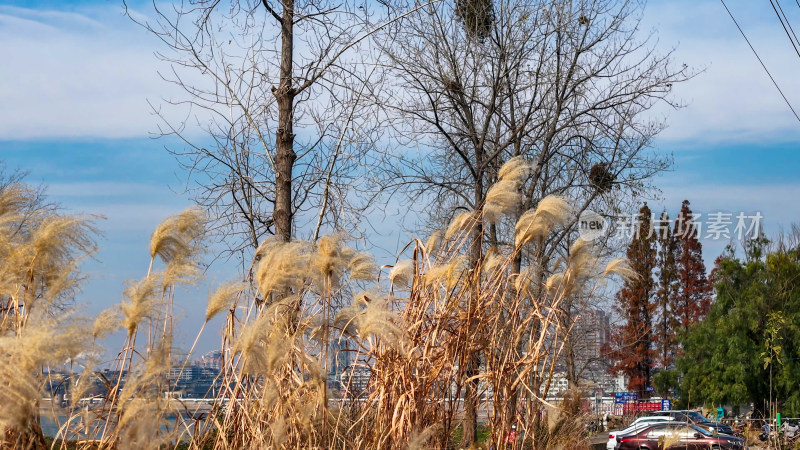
<point x="697" y="417"/>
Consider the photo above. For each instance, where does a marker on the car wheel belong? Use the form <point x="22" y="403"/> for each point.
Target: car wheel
<point x="715" y="447"/>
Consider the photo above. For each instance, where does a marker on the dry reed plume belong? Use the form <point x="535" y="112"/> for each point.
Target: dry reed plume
<point x="295" y="312"/>
<point x="40" y="251"/>
<point x="504" y="196"/>
<point x="537" y="223"/>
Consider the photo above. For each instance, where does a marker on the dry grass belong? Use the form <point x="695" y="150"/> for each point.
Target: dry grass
<point x="40" y="251"/>
<point x="411" y="332"/>
<point x="460" y="223"/>
<point x="402" y="274"/>
<point x="539" y="222"/>
<point x="223" y="298"/>
<point x="504" y="196"/>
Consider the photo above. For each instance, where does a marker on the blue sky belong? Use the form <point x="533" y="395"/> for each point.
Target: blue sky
<point x="77" y="77"/>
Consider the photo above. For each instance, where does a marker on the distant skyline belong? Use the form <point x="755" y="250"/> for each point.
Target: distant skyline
<point x="77" y="78"/>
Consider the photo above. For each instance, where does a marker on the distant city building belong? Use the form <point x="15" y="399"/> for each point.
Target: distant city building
<point x="197" y="380"/>
<point x="355" y="380"/>
<point x="211" y="360"/>
<point x="341" y="355"/>
<point x="559" y="385"/>
<point x="590" y="334"/>
<point x="592" y="331"/>
<point x="595" y="332"/>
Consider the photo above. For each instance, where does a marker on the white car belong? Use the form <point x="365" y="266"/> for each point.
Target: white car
<point x="638" y="425"/>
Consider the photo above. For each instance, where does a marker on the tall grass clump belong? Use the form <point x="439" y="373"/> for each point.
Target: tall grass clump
<point x="420" y="333"/>
<point x="40" y="251"/>
<point x="135" y="411"/>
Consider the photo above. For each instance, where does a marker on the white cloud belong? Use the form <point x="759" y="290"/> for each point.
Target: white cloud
<point x="67" y="74"/>
<point x="130" y="217"/>
<point x="90" y="73"/>
<point x="89" y="189"/>
<point x="732" y="99"/>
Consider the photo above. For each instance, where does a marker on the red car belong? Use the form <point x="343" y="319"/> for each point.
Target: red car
<point x="678" y="436"/>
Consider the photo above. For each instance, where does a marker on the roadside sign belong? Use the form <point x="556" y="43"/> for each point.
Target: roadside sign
<point x="625" y="397"/>
<point x="666" y="404"/>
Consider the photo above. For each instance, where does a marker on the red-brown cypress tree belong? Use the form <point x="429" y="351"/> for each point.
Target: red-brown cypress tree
<point x="692" y="296"/>
<point x="667" y="284"/>
<point x="633" y="341"/>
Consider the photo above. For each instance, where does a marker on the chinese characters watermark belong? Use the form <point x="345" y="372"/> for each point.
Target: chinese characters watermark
<point x="715" y="226"/>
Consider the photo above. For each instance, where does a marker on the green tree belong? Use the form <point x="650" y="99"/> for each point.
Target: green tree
<point x="724" y="360"/>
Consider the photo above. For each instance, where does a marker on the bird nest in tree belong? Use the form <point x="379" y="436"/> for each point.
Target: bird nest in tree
<point x="601" y="177"/>
<point x="477" y="16"/>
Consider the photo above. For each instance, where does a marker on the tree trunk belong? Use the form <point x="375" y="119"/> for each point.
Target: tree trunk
<point x="473" y="357"/>
<point x="285" y="155"/>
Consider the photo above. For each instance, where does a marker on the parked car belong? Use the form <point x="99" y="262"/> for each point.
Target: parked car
<point x="637" y="425"/>
<point x="689" y="416"/>
<point x="682" y="436"/>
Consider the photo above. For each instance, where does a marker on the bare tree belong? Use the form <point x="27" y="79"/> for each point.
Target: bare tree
<point x="276" y="131"/>
<point x="565" y="84"/>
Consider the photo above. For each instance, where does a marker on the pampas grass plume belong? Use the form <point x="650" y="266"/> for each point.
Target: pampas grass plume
<point x="250" y="336"/>
<point x="141" y="302"/>
<point x="328" y="261"/>
<point x="138" y="421"/>
<point x="177" y="241"/>
<point x="621" y="267"/>
<point x="492" y="262"/>
<point x="362" y="266"/>
<point x="449" y="272"/>
<point x="537" y="223"/>
<point x="459" y="223"/>
<point x="223" y="298"/>
<point x="554" y="282"/>
<point x="582" y="257"/>
<point x="504" y="197"/>
<point x="433" y="243"/>
<point x="267" y="341"/>
<point x="521" y="282"/>
<point x="283" y="266"/>
<point x="176" y="235"/>
<point x="581" y="266"/>
<point x="402" y="274"/>
<point x="43" y="342"/>
<point x="418" y="441"/>
<point x="372" y="316"/>
<point x="14" y="197"/>
<point x="107" y="322"/>
<point x="57" y="234"/>
<point x="515" y="169"/>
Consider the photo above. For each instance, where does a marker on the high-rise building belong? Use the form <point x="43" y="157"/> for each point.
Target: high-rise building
<point x="340" y="354"/>
<point x="591" y="333"/>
